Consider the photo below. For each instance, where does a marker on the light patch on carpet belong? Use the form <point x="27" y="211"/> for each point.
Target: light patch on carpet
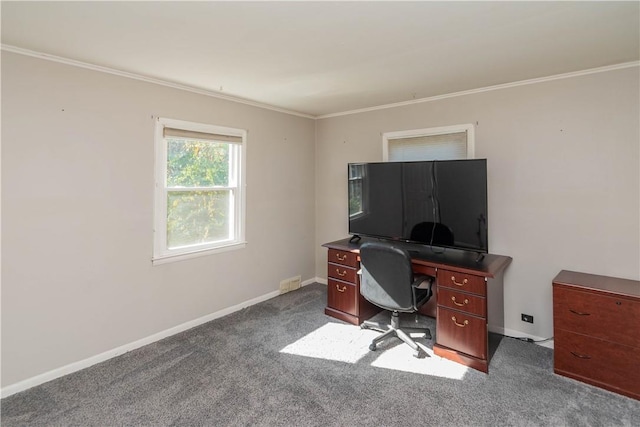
<point x="400" y="358"/>
<point x="333" y="341"/>
<point x="349" y="344"/>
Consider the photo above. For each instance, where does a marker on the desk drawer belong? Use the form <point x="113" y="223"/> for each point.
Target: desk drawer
<point x="340" y="272"/>
<point x="598" y="362"/>
<point x="462" y="332"/>
<point x="342" y="296"/>
<point x="462" y="282"/>
<point x="342" y="257"/>
<point x="610" y="318"/>
<point x="468" y="303"/>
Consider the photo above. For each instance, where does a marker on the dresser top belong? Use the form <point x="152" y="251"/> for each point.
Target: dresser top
<point x="606" y="284"/>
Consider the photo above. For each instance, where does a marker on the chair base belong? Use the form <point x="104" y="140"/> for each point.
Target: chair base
<point x="393" y="329"/>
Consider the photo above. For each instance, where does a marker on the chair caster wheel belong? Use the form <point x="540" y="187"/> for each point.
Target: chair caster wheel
<point x="372" y="347"/>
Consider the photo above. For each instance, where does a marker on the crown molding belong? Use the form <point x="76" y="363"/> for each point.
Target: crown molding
<point x="487" y="89"/>
<point x="102" y="69"/>
<point x="214" y="94"/>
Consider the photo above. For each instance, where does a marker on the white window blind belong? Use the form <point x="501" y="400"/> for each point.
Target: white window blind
<point x="448" y="146"/>
<point x="200" y="136"/>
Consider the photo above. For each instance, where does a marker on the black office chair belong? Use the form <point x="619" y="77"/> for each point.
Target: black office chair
<point x="387" y="281"/>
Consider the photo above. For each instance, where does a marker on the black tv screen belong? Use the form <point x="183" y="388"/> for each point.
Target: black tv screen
<point x="437" y="203"/>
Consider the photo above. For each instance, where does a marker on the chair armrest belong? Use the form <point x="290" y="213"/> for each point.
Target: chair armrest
<point x="420" y="280"/>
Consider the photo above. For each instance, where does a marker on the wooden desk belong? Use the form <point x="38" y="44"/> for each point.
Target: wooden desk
<point x="468" y="296"/>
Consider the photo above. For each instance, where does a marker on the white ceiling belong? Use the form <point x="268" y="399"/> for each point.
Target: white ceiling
<point x="319" y="58"/>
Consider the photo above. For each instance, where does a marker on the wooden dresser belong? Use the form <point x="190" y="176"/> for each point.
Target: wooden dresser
<point x="596" y="327"/>
<point x="466" y="292"/>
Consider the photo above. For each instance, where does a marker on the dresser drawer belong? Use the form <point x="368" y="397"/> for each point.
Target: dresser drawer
<point x="610" y="318"/>
<point x="342" y="296"/>
<point x="462" y="282"/>
<point x="340" y="272"/>
<point x="461" y="301"/>
<point x="462" y="332"/>
<point x="343" y="257"/>
<point x="602" y="363"/>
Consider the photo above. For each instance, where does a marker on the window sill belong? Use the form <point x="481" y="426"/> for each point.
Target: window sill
<point x="164" y="259"/>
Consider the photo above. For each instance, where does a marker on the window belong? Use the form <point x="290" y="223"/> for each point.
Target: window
<point x="357" y="194"/>
<point x="199" y="189"/>
<point x="443" y="143"/>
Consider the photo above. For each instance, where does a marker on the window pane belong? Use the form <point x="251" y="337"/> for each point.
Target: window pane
<point x="356" y="171"/>
<point x="195" y="217"/>
<point x="355" y="197"/>
<point x="192" y="163"/>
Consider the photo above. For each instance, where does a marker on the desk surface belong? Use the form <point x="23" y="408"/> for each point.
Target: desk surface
<point x="451" y="259"/>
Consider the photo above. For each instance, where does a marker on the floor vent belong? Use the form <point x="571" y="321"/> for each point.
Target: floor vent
<point x="290" y="284"/>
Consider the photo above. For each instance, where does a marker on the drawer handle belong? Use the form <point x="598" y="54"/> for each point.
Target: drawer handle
<point x="581" y="356"/>
<point x="344" y="288"/>
<point x="462" y="325"/>
<point x="344" y="272"/>
<point x="464" y="282"/>
<point x="466" y="301"/>
<point x="341" y="258"/>
<point x="579" y="313"/>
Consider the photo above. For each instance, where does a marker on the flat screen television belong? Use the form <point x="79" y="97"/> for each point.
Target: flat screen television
<point x="440" y="203"/>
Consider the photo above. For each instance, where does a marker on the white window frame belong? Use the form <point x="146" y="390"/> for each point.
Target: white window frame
<point x="468" y="128"/>
<point x="161" y="253"/>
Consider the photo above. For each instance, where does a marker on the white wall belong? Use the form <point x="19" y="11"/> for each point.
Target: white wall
<point x="77" y="199"/>
<point x="563" y="178"/>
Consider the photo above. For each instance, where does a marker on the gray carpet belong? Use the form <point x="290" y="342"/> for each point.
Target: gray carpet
<point x="232" y="371"/>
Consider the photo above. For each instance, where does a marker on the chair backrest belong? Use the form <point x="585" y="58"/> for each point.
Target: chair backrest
<point x="434" y="233"/>
<point x="386" y="276"/>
